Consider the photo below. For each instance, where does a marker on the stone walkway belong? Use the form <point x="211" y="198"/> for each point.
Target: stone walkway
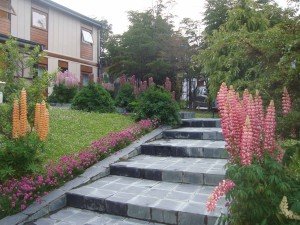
<point x="169" y="183"/>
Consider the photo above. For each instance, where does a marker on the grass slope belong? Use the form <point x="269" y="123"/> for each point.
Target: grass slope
<point x="72" y="130"/>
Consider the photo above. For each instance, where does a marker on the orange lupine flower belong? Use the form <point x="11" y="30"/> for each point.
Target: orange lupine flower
<point x="23" y="113"/>
<point x="16" y="120"/>
<point x="42" y="131"/>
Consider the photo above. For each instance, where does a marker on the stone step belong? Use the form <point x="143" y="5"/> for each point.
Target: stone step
<point x="198" y="133"/>
<point x="185" y="148"/>
<point x="147" y="200"/>
<point x="172" y="169"/>
<point x="73" y="216"/>
<point x="187" y="115"/>
<point x="201" y="122"/>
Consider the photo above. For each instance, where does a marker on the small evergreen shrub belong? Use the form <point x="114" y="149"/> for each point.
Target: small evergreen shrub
<point x="125" y="97"/>
<point x="62" y="94"/>
<point x="157" y="103"/>
<point x="93" y="98"/>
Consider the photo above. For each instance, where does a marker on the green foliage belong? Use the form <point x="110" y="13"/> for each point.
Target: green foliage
<point x="258" y="192"/>
<point x="157" y="103"/>
<point x="20" y="156"/>
<point x="289" y="125"/>
<point x="62" y="94"/>
<point x="93" y="98"/>
<point x="14" y="61"/>
<point x="254" y="49"/>
<point x="291" y="158"/>
<point x="215" y="14"/>
<point x="125" y="97"/>
<point x="5" y="120"/>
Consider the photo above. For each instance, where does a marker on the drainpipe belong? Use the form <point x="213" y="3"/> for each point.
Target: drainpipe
<point x="99" y="53"/>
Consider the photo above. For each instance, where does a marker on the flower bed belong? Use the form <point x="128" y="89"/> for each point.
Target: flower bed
<point x="16" y="194"/>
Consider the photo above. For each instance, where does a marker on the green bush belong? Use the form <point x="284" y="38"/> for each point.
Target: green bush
<point x="259" y="189"/>
<point x="93" y="98"/>
<point x="125" y="97"/>
<point x="289" y="125"/>
<point x="20" y="156"/>
<point x="62" y="94"/>
<point x="157" y="103"/>
<point x="5" y="120"/>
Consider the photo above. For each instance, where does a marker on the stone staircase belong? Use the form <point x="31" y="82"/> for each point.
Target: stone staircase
<point x="169" y="183"/>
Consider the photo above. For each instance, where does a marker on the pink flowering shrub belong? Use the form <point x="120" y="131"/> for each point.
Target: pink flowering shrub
<point x="256" y="179"/>
<point x="67" y="78"/>
<point x="16" y="195"/>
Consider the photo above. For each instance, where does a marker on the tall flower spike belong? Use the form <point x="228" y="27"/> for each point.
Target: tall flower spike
<point x="16" y="120"/>
<point x="286" y="102"/>
<point x="246" y="152"/>
<point x="42" y="122"/>
<point x="23" y="113"/>
<point x="269" y="128"/>
<point x="224" y="187"/>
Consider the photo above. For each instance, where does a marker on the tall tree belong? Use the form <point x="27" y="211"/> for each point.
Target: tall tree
<point x="215" y="14"/>
<point x="250" y="51"/>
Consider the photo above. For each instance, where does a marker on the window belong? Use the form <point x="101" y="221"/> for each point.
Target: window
<point x="85" y="79"/>
<point x="6" y="9"/>
<point x="63" y="65"/>
<point x="39" y="19"/>
<point x="87" y="36"/>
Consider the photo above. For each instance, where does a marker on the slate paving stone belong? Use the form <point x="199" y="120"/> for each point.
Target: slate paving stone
<point x="172" y="169"/>
<point x="201" y="122"/>
<point x="156" y="201"/>
<point x="86" y="217"/>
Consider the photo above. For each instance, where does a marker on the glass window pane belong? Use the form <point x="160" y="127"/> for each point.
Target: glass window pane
<point x="85" y="79"/>
<point x="39" y="20"/>
<point x="87" y="36"/>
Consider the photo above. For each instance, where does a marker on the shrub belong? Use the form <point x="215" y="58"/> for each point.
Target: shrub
<point x="157" y="103"/>
<point x="93" y="98"/>
<point x="20" y="156"/>
<point x="5" y="120"/>
<point x="258" y="184"/>
<point x="125" y="97"/>
<point x="62" y="94"/>
<point x="65" y="87"/>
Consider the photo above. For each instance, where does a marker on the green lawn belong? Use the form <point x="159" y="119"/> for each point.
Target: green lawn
<point x="72" y="130"/>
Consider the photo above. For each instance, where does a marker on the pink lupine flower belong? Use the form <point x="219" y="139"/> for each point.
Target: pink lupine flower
<point x="286" y="102"/>
<point x="168" y="84"/>
<point x="122" y="79"/>
<point x="132" y="80"/>
<point x="67" y="78"/>
<point x="150" y="81"/>
<point x="247" y="144"/>
<point x="269" y="128"/>
<point x="224" y="187"/>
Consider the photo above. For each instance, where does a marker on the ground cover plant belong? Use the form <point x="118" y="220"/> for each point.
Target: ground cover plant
<point x="260" y="188"/>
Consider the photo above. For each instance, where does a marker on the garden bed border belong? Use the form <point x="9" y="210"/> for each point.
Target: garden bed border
<point x="56" y="199"/>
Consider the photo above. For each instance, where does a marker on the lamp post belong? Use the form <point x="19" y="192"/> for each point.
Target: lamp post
<point x="2" y="84"/>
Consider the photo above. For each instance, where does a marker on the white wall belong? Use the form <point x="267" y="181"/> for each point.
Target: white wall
<point x="21" y="22"/>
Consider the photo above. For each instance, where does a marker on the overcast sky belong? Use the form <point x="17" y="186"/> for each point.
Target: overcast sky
<point x="115" y="11"/>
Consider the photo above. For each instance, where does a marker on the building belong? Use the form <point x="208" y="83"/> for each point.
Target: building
<point x="69" y="39"/>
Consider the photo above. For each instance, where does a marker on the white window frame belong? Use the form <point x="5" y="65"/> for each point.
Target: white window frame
<point x="36" y="25"/>
<point x="87" y="36"/>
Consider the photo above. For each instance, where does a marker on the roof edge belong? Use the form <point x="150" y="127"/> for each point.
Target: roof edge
<point x="70" y="12"/>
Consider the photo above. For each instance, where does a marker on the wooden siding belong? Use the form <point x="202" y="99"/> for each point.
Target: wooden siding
<point x="86" y="51"/>
<point x="4" y="26"/>
<point x="40" y="36"/>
